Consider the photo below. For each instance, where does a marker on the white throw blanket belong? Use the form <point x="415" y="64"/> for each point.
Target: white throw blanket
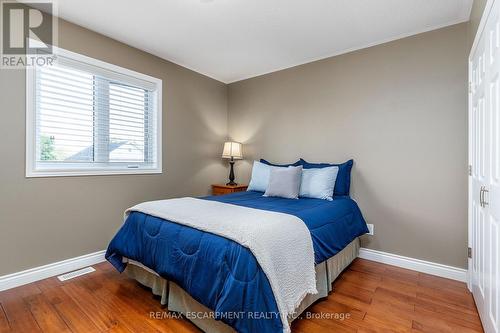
<point x="280" y="242"/>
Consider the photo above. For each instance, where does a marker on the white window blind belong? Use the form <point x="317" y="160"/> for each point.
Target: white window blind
<point x="89" y="117"/>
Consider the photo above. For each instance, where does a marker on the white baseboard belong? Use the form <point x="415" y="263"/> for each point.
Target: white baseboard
<point x="68" y="265"/>
<point x="423" y="266"/>
<point x="46" y="271"/>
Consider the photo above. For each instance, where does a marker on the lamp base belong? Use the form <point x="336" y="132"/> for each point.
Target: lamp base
<point x="231" y="174"/>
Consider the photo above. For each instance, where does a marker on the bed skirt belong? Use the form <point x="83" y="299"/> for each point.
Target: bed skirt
<point x="178" y="300"/>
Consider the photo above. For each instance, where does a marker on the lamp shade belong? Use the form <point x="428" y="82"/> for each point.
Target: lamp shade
<point x="232" y="150"/>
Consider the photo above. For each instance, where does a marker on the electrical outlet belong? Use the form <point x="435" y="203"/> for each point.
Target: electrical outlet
<point x="371" y="229"/>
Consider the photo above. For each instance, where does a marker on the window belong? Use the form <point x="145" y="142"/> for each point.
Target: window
<point x="88" y="117"/>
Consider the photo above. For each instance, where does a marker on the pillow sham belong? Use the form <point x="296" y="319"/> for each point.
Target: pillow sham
<point x="343" y="181"/>
<point x="318" y="183"/>
<point x="260" y="177"/>
<point x="284" y="182"/>
<point x="279" y="165"/>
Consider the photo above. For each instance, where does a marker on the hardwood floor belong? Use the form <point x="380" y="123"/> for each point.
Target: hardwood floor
<point x="367" y="297"/>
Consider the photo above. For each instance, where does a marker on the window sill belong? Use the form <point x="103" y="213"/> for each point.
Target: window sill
<point x="100" y="172"/>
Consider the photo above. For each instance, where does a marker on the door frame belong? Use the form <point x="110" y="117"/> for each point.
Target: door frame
<point x="482" y="23"/>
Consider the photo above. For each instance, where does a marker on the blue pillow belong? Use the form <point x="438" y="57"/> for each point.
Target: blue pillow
<point x="280" y="165"/>
<point x="343" y="182"/>
<point x="318" y="183"/>
<point x="260" y="177"/>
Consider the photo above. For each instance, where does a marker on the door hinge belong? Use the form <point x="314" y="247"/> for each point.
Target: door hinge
<point x="470" y="170"/>
<point x="469" y="252"/>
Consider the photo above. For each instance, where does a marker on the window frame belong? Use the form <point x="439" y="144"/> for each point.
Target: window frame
<point x="83" y="169"/>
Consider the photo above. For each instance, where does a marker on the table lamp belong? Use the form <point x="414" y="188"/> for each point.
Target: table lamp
<point x="232" y="151"/>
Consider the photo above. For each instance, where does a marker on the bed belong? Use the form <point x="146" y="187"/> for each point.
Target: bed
<point x="196" y="271"/>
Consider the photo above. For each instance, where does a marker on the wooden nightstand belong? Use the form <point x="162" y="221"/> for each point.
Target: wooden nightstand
<point x="220" y="189"/>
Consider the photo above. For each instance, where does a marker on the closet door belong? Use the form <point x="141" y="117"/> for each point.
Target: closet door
<point x="477" y="134"/>
<point x="484" y="185"/>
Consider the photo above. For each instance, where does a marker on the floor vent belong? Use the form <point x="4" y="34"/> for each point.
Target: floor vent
<point x="74" y="274"/>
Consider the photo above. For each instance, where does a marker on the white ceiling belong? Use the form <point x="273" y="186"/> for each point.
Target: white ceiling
<point x="231" y="40"/>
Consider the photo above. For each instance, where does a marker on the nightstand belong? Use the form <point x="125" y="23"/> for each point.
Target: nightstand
<point x="219" y="189"/>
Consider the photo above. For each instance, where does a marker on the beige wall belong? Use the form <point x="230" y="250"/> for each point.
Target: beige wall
<point x="50" y="219"/>
<point x="475" y="18"/>
<point x="399" y="109"/>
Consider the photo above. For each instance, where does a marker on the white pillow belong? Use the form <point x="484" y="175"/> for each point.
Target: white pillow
<point x="260" y="177"/>
<point x="318" y="183"/>
<point x="284" y="182"/>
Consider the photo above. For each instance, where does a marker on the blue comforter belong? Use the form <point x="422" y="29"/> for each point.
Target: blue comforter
<point x="220" y="273"/>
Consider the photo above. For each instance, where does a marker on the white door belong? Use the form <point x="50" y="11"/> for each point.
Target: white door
<point x="484" y="157"/>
